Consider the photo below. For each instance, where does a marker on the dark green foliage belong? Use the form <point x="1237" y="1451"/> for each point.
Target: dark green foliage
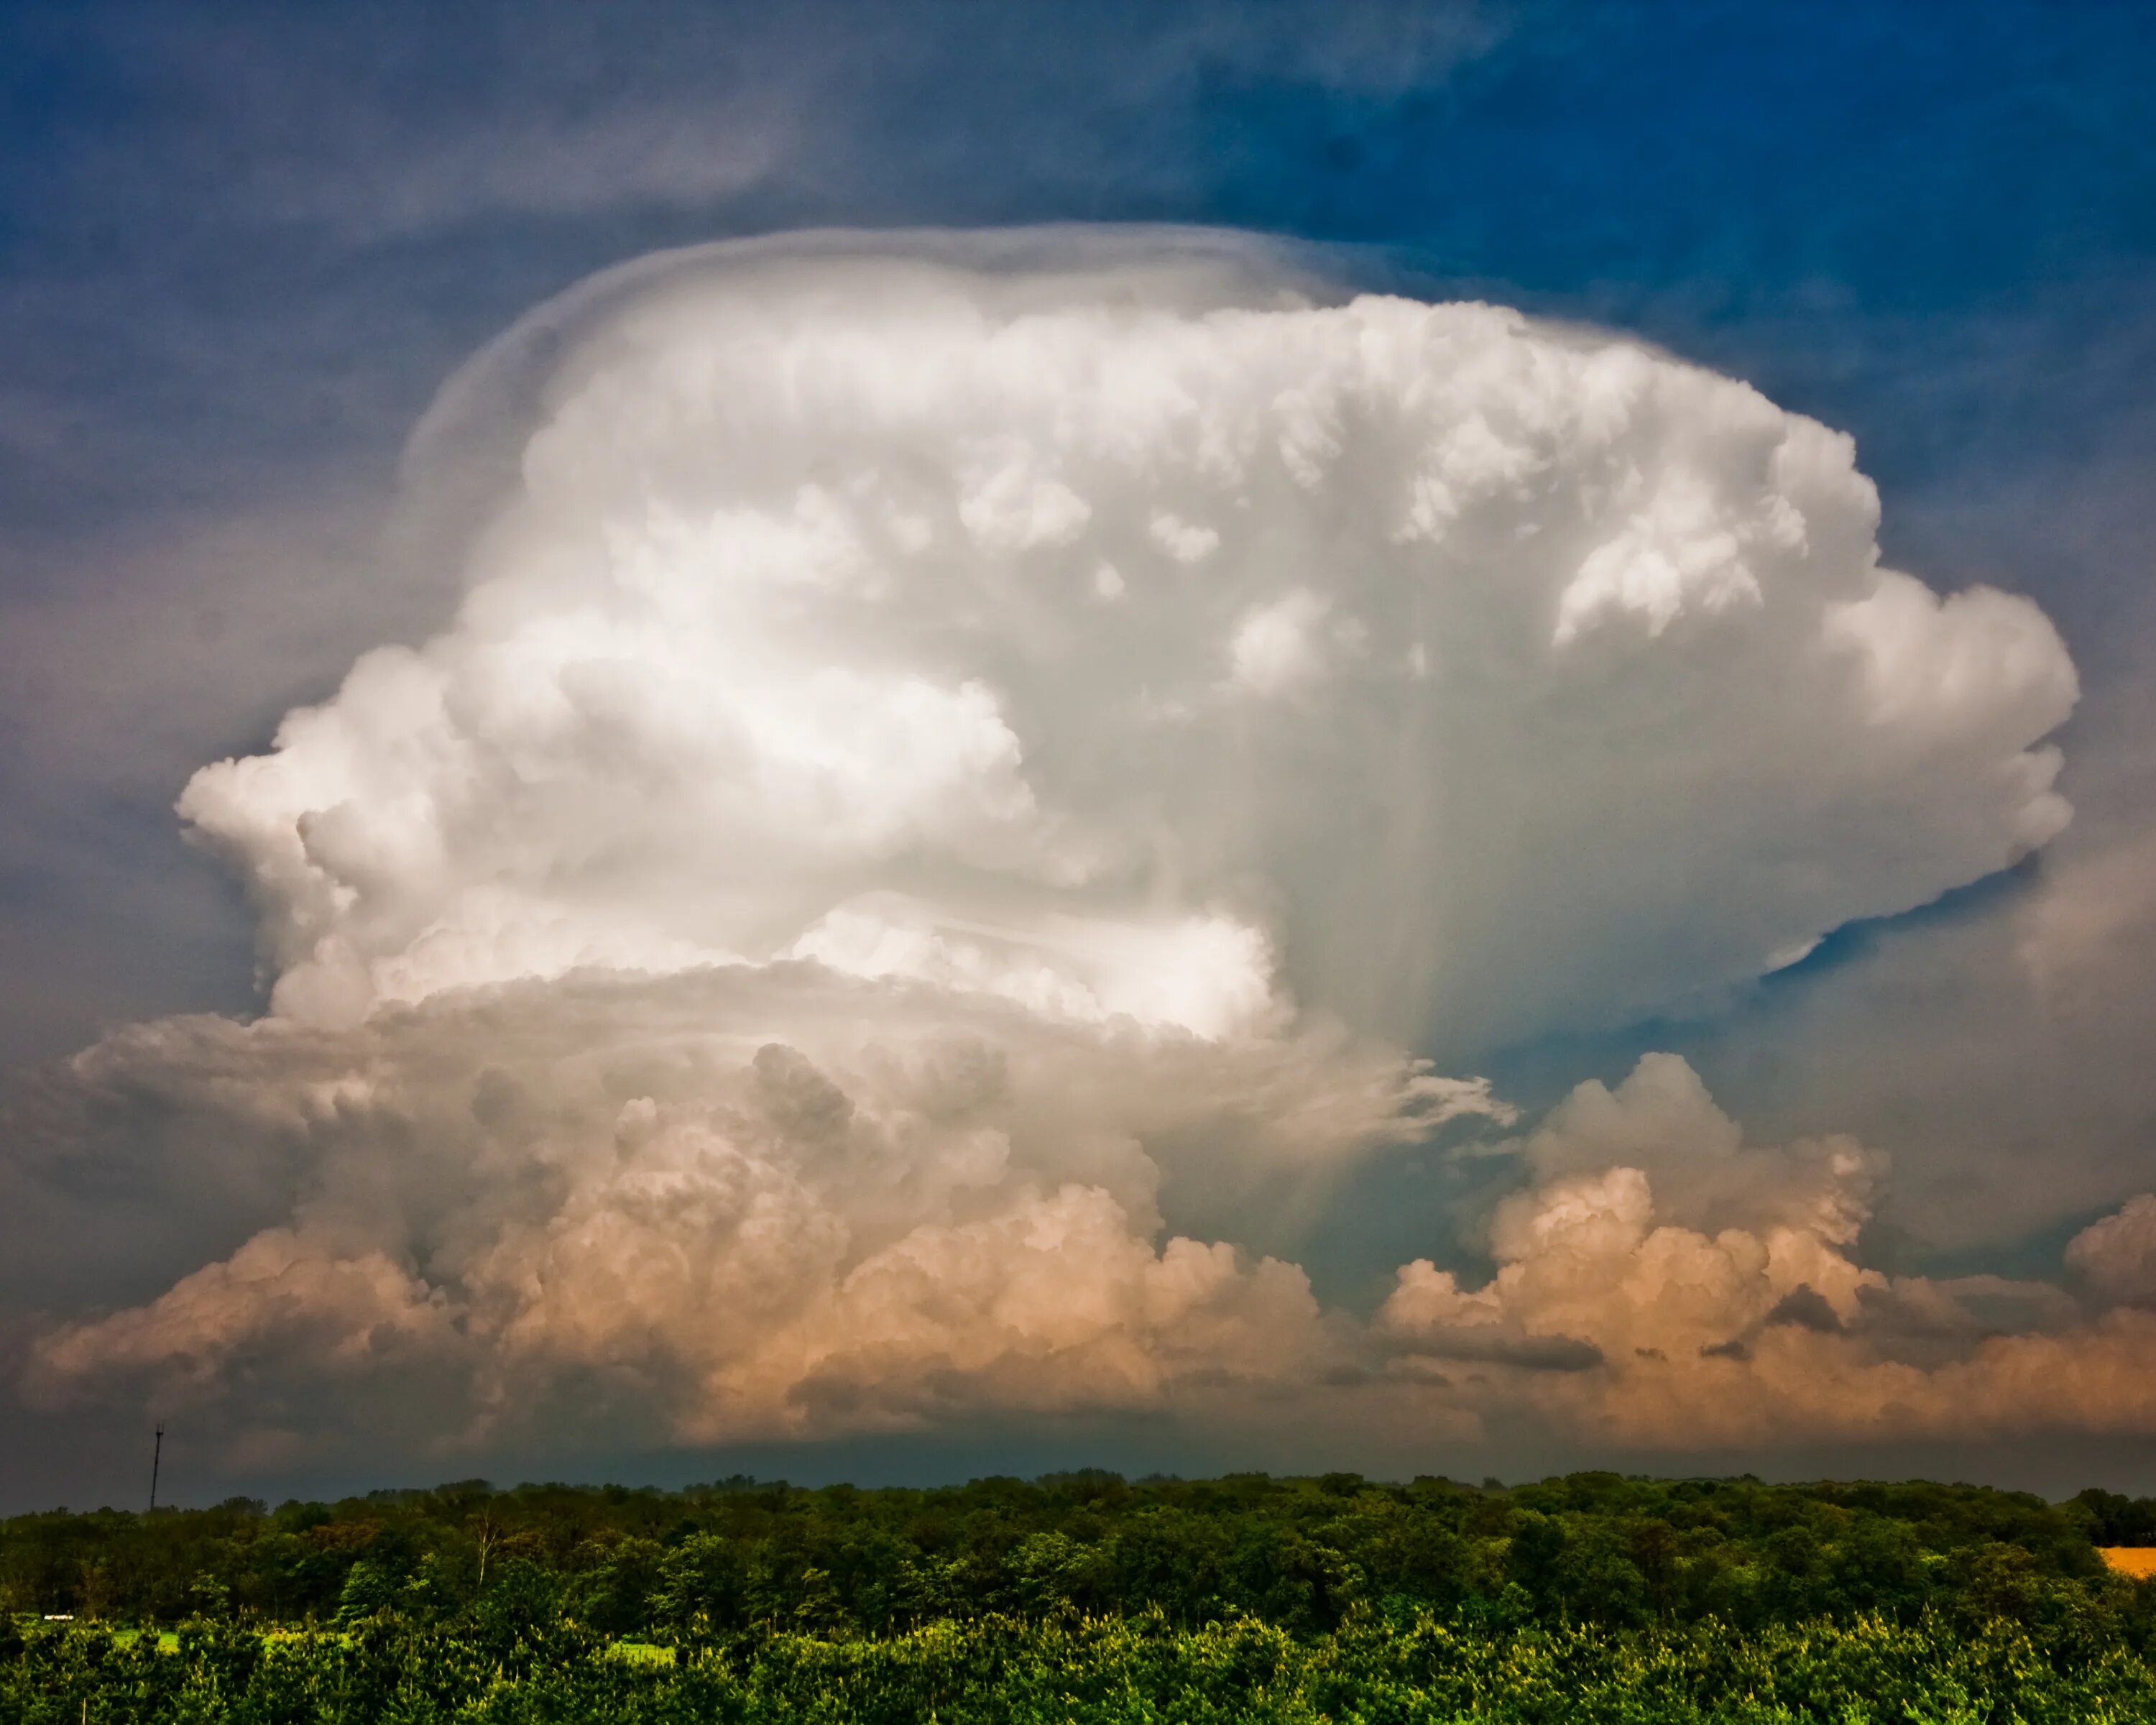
<point x="2113" y="1520"/>
<point x="1086" y="1596"/>
<point x="1297" y="1553"/>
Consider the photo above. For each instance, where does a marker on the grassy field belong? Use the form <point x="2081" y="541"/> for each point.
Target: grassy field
<point x="1410" y="1670"/>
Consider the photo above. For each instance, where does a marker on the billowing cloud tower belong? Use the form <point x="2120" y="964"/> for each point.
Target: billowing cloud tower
<point x="1138" y="633"/>
<point x="940" y="735"/>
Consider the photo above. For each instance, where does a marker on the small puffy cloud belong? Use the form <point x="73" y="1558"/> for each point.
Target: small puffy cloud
<point x="1185" y="541"/>
<point x="1275" y="647"/>
<point x="2116" y="1256"/>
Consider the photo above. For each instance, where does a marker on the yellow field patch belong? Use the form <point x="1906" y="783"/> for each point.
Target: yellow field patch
<point x="2138" y="1561"/>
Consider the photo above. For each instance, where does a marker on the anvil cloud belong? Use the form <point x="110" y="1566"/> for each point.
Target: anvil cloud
<point x="943" y="737"/>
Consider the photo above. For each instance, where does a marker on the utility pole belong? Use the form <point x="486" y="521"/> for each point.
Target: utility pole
<point x="157" y="1458"/>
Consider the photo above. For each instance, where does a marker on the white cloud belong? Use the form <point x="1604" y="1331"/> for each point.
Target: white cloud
<point x="1273" y="650"/>
<point x="796" y="598"/>
<point x="1185" y="541"/>
<point x="757" y="970"/>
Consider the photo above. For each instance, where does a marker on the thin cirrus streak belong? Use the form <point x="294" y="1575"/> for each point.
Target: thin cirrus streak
<point x="946" y="738"/>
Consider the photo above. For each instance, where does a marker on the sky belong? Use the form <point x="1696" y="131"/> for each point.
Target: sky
<point x="888" y="743"/>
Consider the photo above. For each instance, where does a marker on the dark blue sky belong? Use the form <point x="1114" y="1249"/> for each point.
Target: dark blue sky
<point x="264" y="234"/>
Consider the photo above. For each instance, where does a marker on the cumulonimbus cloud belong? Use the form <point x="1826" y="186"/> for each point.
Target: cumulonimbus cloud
<point x="1107" y="635"/>
<point x="940" y="732"/>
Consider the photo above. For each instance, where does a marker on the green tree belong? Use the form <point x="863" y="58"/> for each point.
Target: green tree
<point x="368" y="1592"/>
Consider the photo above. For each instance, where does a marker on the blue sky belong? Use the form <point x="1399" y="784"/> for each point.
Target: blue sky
<point x="240" y="248"/>
<point x="209" y="218"/>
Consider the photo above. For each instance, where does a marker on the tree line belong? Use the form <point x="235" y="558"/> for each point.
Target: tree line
<point x="1302" y="1556"/>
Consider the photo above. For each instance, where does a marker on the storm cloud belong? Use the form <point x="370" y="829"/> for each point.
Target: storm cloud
<point x="944" y="737"/>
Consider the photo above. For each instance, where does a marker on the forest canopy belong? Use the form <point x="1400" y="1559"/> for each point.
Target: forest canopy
<point x="1300" y="1554"/>
<point x="1085" y="1596"/>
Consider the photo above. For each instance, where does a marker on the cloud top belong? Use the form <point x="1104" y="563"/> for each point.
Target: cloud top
<point x="1132" y="630"/>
